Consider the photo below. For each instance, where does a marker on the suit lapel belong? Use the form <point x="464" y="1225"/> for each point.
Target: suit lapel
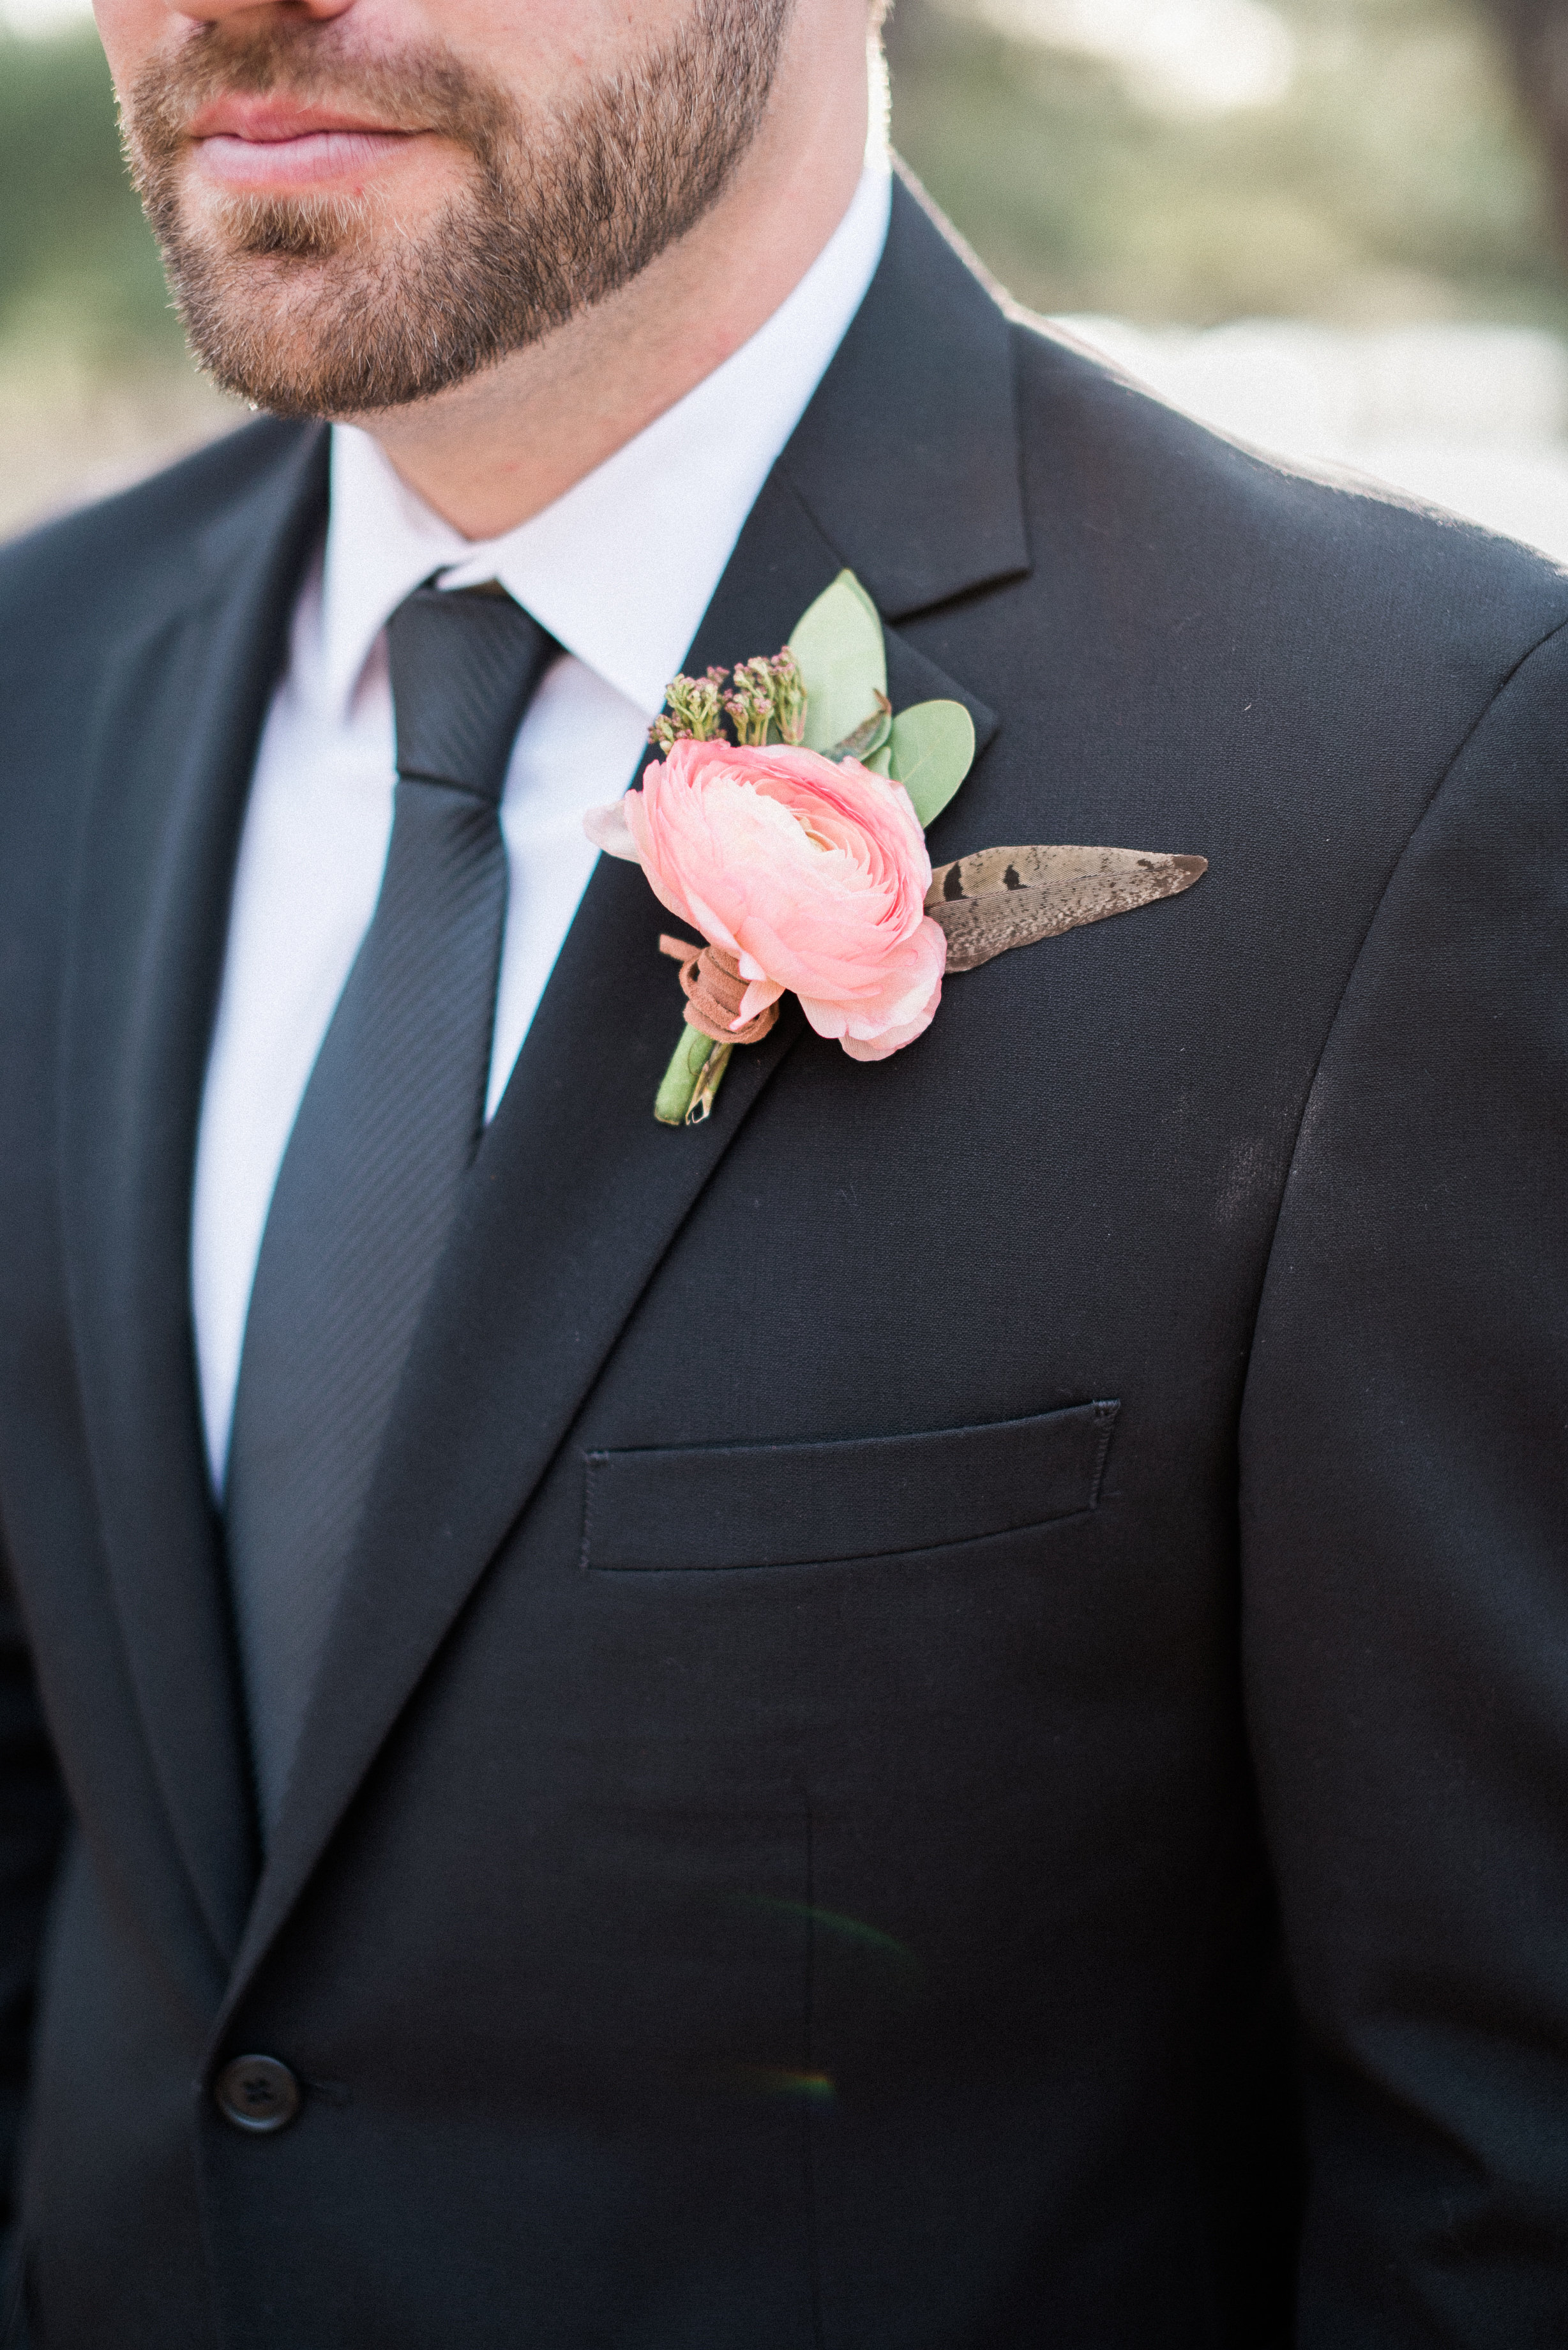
<point x="908" y="458"/>
<point x="528" y="1300"/>
<point x="175" y="739"/>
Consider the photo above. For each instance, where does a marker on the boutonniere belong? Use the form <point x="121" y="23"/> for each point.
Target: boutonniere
<point x="794" y="842"/>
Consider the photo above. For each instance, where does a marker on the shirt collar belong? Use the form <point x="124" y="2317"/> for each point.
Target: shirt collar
<point x="620" y="569"/>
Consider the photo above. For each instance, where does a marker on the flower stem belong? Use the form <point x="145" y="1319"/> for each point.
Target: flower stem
<point x="696" y="1066"/>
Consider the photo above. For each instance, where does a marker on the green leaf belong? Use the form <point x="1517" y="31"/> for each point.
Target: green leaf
<point x="932" y="747"/>
<point x="838" y="644"/>
<point x="847" y="579"/>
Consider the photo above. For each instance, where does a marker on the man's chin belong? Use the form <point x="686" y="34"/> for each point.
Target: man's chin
<point x="290" y="335"/>
<point x="261" y="326"/>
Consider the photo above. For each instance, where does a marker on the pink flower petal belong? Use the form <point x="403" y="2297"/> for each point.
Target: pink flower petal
<point x="608" y="831"/>
<point x="757" y="998"/>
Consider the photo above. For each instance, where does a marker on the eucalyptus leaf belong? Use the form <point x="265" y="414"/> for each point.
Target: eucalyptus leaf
<point x="837" y="641"/>
<point x="850" y="581"/>
<point x="932" y="748"/>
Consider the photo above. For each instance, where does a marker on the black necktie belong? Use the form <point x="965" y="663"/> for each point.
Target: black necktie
<point x="384" y="1134"/>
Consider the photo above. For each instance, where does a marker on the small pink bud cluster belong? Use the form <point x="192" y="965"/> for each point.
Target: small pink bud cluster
<point x="693" y="710"/>
<point x="765" y="703"/>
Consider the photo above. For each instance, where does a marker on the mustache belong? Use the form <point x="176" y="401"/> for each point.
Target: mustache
<point x="420" y="87"/>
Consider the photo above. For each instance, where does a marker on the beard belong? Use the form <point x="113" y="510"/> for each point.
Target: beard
<point x="336" y="305"/>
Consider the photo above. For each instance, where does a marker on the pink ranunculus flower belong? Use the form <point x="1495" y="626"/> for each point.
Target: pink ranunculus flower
<point x="811" y="874"/>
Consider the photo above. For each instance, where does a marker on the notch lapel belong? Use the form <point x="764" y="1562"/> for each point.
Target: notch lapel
<point x="175" y="740"/>
<point x="528" y="1300"/>
<point x="908" y="458"/>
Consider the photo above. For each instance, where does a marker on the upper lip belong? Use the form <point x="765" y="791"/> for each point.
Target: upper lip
<point x="273" y="118"/>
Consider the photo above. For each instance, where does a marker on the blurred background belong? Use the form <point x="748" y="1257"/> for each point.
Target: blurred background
<point x="1337" y="228"/>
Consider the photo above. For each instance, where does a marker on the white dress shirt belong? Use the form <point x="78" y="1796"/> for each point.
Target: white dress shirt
<point x="620" y="570"/>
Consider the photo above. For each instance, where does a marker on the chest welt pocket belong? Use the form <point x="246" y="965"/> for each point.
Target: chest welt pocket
<point x="728" y="1505"/>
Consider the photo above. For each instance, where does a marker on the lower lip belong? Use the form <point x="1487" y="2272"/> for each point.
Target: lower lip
<point x="315" y="157"/>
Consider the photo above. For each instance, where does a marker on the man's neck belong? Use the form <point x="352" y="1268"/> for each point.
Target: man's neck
<point x="490" y="454"/>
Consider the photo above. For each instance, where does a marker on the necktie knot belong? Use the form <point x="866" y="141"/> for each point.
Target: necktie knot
<point x="465" y="664"/>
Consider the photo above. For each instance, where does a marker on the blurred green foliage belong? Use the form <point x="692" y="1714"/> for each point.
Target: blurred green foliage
<point x="76" y="261"/>
<point x="1396" y="179"/>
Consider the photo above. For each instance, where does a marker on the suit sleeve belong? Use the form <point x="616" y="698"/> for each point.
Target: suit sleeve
<point x="1405" y="1548"/>
<point x="33" y="1816"/>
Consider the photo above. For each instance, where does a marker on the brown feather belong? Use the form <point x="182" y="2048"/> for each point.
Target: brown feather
<point x="1001" y="897"/>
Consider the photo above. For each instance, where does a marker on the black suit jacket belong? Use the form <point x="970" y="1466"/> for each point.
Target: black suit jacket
<point x="950" y="1724"/>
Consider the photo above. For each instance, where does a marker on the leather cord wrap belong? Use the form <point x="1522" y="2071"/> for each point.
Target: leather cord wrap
<point x="713" y="986"/>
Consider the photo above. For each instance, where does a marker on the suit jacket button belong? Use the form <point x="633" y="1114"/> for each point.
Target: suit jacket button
<point x="257" y="2093"/>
